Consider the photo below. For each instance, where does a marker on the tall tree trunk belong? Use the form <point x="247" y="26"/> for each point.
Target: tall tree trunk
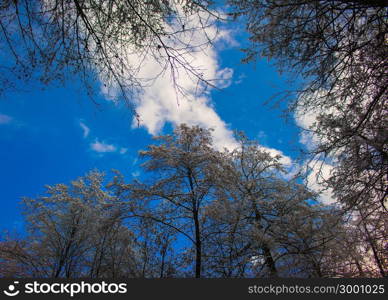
<point x="198" y="246"/>
<point x="198" y="243"/>
<point x="371" y="242"/>
<point x="270" y="261"/>
<point x="375" y="253"/>
<point x="164" y="250"/>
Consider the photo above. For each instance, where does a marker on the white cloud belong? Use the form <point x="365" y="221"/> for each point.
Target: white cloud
<point x="85" y="129"/>
<point x="284" y="159"/>
<point x="306" y="120"/>
<point x="135" y="174"/>
<point x="123" y="150"/>
<point x="240" y="79"/>
<point x="102" y="147"/>
<point x="174" y="95"/>
<point x="177" y="96"/>
<point x="5" y="119"/>
<point x="98" y="146"/>
<point x="320" y="171"/>
<point x="224" y="78"/>
<point x="306" y="116"/>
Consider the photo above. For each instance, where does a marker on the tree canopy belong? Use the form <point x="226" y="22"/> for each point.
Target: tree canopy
<point x="339" y="48"/>
<point x="199" y="213"/>
<point x="54" y="40"/>
<point x="203" y="212"/>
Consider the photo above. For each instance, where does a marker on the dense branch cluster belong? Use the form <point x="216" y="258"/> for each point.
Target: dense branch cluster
<point x="340" y="49"/>
<point x="198" y="213"/>
<point x="204" y="213"/>
<point x="52" y="40"/>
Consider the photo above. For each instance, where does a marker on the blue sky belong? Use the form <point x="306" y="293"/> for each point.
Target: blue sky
<point x="57" y="134"/>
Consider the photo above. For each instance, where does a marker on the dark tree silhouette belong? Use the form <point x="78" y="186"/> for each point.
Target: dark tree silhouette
<point x="340" y="49"/>
<point x="52" y="40"/>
